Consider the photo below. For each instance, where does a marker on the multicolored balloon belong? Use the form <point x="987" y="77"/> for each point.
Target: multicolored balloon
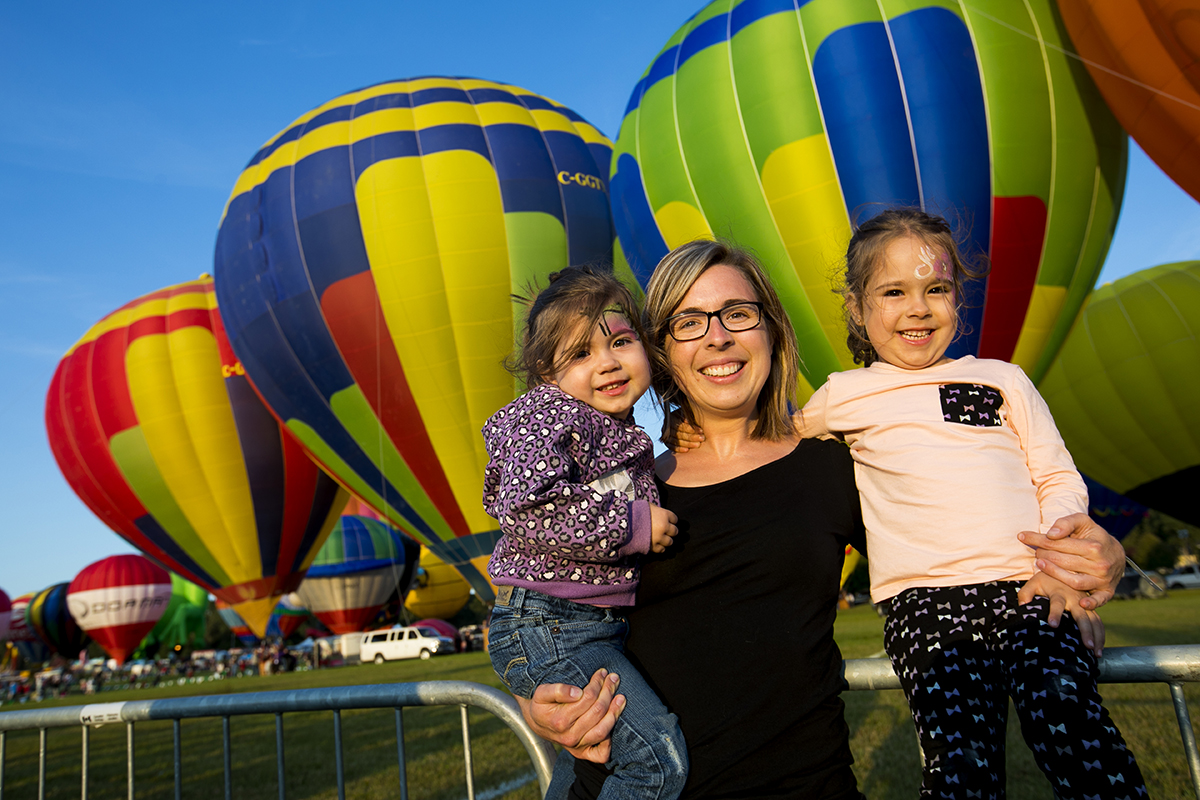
<point x="49" y="615"/>
<point x="362" y="564"/>
<point x="1145" y="59"/>
<point x="118" y="600"/>
<point x="236" y="624"/>
<point x="183" y="621"/>
<point x="23" y="635"/>
<point x="439" y="590"/>
<point x="156" y="428"/>
<point x="779" y="124"/>
<point x="5" y="614"/>
<point x="1125" y="390"/>
<point x="364" y="268"/>
<point x="1114" y="512"/>
<point x="289" y="613"/>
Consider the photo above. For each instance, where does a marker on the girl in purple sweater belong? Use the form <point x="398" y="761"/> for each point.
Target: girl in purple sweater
<point x="570" y="478"/>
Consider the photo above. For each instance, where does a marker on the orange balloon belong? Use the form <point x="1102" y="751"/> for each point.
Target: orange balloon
<point x="1145" y="58"/>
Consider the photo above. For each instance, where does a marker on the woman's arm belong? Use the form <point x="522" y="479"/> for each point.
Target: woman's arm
<point x="1082" y="555"/>
<point x="580" y="720"/>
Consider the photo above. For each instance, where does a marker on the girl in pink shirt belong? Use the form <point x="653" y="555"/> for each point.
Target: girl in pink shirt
<point x="953" y="457"/>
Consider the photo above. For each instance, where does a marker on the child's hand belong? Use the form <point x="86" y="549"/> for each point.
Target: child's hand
<point x="681" y="436"/>
<point x="662" y="529"/>
<point x="1064" y="598"/>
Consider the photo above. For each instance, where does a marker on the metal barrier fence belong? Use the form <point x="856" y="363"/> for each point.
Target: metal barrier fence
<point x="1173" y="665"/>
<point x="342" y="698"/>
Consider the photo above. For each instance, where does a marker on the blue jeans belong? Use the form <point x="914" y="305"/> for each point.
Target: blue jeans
<point x="535" y="639"/>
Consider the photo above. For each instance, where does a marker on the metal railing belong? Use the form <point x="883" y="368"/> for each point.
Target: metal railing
<point x="338" y="699"/>
<point x="1173" y="665"/>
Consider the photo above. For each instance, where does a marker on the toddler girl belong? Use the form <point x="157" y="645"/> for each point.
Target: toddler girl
<point x="571" y="481"/>
<point x="953" y="457"/>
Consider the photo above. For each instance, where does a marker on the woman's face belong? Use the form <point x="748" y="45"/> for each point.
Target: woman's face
<point x="721" y="373"/>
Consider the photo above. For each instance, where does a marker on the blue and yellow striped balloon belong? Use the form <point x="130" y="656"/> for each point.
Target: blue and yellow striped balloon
<point x="779" y="123"/>
<point x="364" y="268"/>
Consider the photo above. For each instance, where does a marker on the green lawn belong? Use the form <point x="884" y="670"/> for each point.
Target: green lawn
<point x="885" y="746"/>
<point x="883" y="739"/>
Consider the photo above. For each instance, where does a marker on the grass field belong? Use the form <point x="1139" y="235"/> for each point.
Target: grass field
<point x="883" y="740"/>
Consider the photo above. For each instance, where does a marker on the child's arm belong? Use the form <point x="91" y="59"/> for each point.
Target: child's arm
<point x="1060" y="489"/>
<point x="1064" y="598"/>
<point x="531" y="488"/>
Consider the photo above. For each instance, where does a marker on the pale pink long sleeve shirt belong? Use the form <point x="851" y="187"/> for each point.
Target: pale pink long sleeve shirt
<point x="951" y="462"/>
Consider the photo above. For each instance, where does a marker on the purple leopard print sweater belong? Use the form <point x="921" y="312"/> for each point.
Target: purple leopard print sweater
<point x="562" y="536"/>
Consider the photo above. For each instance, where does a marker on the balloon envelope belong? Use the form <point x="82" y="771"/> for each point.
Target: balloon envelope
<point x="5" y="614"/>
<point x="236" y="624"/>
<point x="362" y="563"/>
<point x="1144" y="59"/>
<point x="23" y="635"/>
<point x="778" y="124"/>
<point x="286" y="617"/>
<point x="118" y="600"/>
<point x="1114" y="512"/>
<point x="364" y="268"/>
<point x="155" y="426"/>
<point x="183" y="621"/>
<point x="439" y="590"/>
<point x="1125" y="390"/>
<point x="51" y="618"/>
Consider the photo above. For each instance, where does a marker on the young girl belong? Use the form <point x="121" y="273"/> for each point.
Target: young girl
<point x="571" y="481"/>
<point x="953" y="457"/>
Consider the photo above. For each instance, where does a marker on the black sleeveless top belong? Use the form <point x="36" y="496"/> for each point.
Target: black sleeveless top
<point x="734" y="628"/>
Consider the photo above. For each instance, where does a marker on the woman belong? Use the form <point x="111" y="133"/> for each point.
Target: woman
<point x="734" y="626"/>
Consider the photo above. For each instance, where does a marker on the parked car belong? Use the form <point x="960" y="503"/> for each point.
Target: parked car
<point x="397" y="643"/>
<point x="1184" y="577"/>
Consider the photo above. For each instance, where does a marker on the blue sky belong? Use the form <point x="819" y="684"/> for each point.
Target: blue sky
<point x="126" y="124"/>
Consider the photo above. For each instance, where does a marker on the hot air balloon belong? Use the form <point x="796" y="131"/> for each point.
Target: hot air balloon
<point x="364" y="268"/>
<point x="362" y="563"/>
<point x="778" y="124"/>
<point x="23" y="635"/>
<point x="156" y="428"/>
<point x="439" y="590"/>
<point x="1125" y="390"/>
<point x="1143" y="57"/>
<point x="236" y="624"/>
<point x="5" y="614"/>
<point x="118" y="600"/>
<point x="50" y="617"/>
<point x="183" y="621"/>
<point x="1114" y="512"/>
<point x="286" y="617"/>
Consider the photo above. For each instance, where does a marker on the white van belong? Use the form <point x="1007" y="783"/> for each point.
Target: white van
<point x="397" y="643"/>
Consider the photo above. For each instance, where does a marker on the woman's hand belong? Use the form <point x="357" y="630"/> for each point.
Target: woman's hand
<point x="1082" y="555"/>
<point x="1064" y="598"/>
<point x="681" y="435"/>
<point x="581" y="720"/>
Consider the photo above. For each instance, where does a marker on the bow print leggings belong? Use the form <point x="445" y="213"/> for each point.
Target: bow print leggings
<point x="961" y="652"/>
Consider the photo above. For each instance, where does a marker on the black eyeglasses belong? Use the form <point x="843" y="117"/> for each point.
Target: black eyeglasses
<point x="692" y="325"/>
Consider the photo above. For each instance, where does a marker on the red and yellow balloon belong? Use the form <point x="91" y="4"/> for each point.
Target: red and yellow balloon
<point x="157" y="429"/>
